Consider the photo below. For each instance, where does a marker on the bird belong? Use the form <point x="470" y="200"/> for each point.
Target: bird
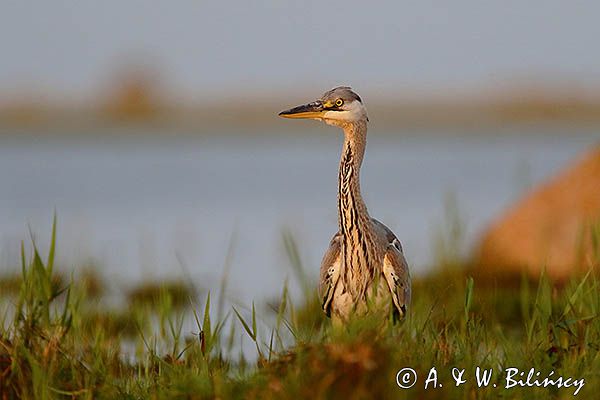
<point x="364" y="269"/>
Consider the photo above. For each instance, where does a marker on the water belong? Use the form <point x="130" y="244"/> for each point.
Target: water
<point x="146" y="207"/>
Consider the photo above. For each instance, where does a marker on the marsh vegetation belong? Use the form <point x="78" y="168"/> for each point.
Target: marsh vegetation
<point x="60" y="338"/>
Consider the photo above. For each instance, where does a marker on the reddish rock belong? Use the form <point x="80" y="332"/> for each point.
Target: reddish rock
<point x="551" y="227"/>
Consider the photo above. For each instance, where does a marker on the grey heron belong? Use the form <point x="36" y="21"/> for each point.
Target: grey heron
<point x="364" y="264"/>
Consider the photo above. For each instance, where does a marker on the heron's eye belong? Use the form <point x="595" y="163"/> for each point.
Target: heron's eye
<point x="339" y="102"/>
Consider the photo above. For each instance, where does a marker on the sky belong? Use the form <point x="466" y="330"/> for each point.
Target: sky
<point x="221" y="49"/>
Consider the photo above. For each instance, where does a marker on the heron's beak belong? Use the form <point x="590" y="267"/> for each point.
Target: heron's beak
<point x="312" y="110"/>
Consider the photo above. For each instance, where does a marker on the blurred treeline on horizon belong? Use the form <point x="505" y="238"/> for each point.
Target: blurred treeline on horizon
<point x="137" y="95"/>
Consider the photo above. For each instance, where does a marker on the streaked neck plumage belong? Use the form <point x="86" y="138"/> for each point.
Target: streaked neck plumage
<point x="358" y="241"/>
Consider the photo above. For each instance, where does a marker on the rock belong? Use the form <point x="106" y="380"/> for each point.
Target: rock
<point x="551" y="228"/>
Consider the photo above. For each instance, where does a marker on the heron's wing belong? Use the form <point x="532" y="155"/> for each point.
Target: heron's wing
<point x="330" y="273"/>
<point x="395" y="270"/>
<point x="387" y="232"/>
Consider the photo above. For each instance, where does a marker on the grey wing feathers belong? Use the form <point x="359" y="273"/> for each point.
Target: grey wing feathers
<point x="395" y="271"/>
<point x="330" y="271"/>
<point x="389" y="235"/>
<point x="397" y="276"/>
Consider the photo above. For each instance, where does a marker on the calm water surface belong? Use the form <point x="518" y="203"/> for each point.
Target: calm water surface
<point x="144" y="207"/>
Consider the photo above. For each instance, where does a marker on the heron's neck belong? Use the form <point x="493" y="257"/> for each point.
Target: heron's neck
<point x="354" y="221"/>
<point x="351" y="207"/>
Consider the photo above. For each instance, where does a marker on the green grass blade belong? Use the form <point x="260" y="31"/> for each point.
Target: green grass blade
<point x="225" y="277"/>
<point x="291" y="248"/>
<point x="253" y="319"/>
<point x="573" y="299"/>
<point x="50" y="262"/>
<point x="468" y="296"/>
<point x="245" y="325"/>
<point x="206" y="317"/>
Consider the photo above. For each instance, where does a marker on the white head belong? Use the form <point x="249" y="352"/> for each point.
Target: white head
<point x="339" y="107"/>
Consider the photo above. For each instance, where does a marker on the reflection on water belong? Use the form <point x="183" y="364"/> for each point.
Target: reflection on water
<point x="148" y="207"/>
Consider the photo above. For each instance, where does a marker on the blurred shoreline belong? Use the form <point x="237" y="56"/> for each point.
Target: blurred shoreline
<point x="136" y="102"/>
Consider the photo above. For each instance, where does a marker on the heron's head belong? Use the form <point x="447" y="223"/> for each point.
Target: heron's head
<point x="339" y="106"/>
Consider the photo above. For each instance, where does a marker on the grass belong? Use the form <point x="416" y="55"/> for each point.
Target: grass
<point x="56" y="341"/>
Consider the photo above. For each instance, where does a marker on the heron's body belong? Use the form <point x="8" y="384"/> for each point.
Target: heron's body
<point x="364" y="266"/>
